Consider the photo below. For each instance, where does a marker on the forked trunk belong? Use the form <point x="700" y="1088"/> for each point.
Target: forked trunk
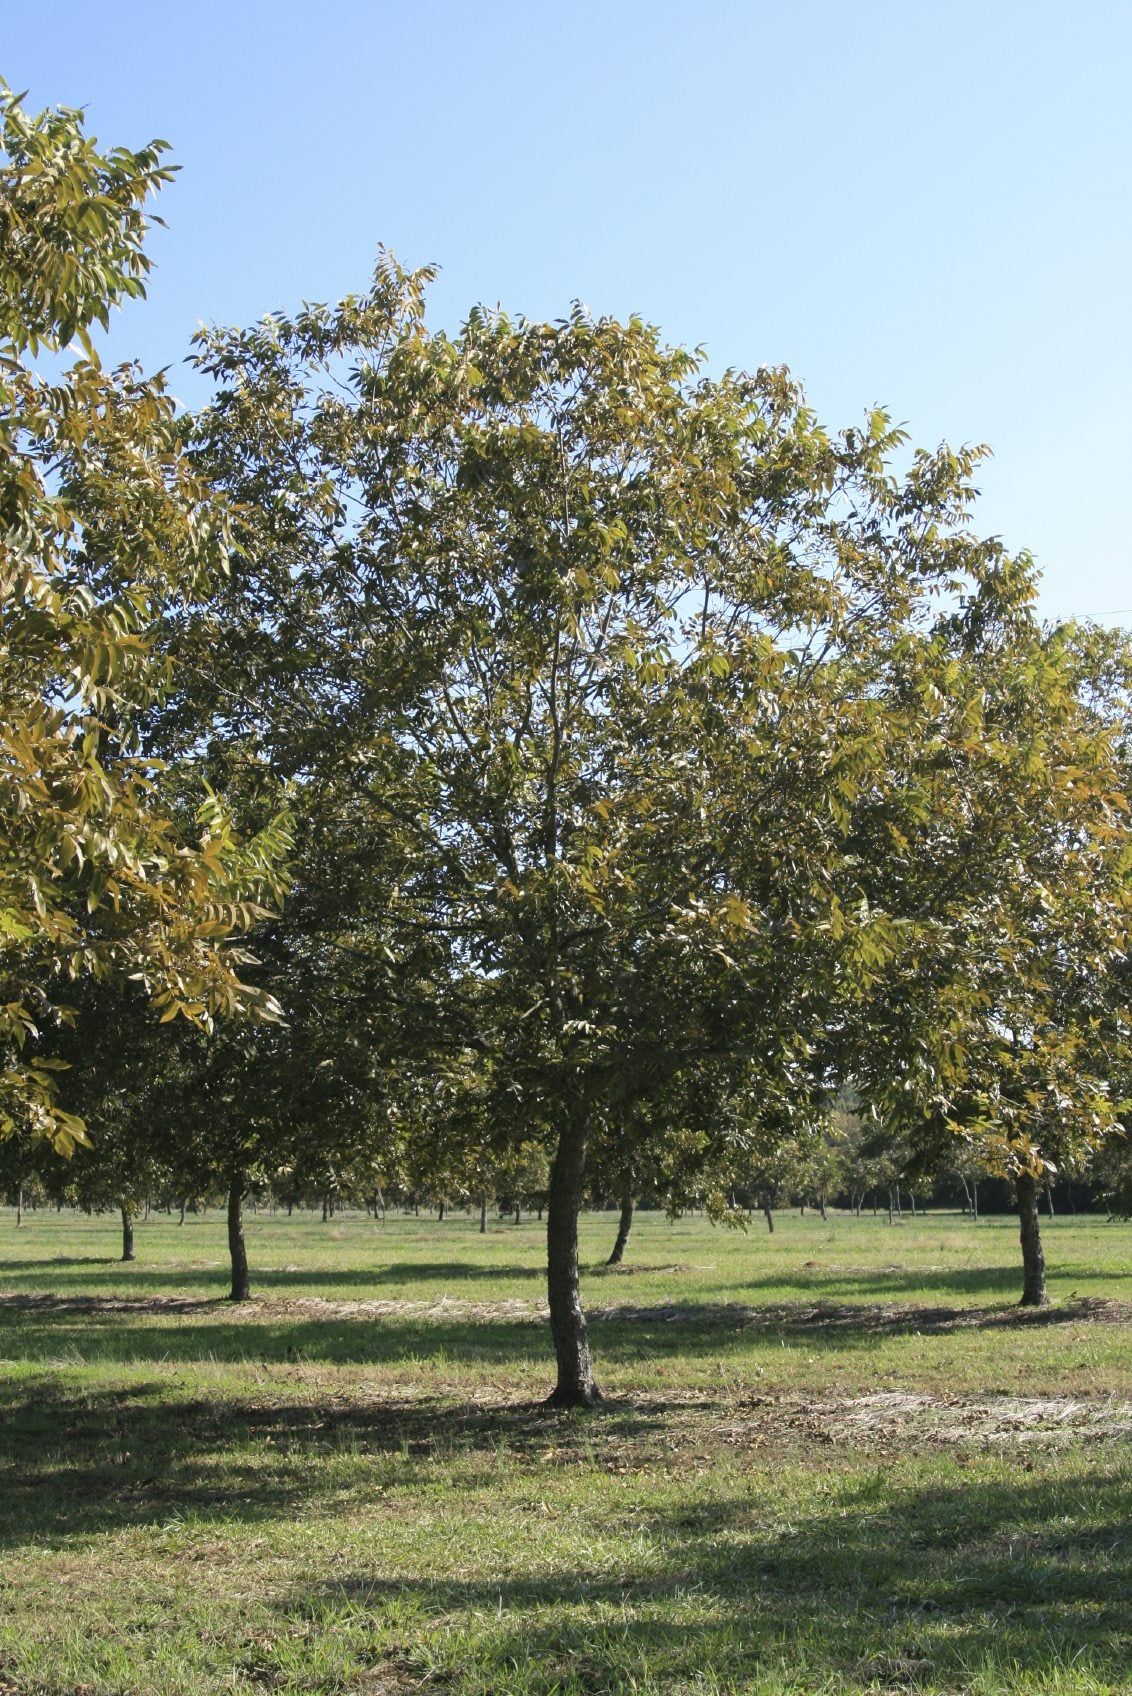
<point x="1034" y="1292"/>
<point x="624" y="1226"/>
<point x="237" y="1250"/>
<point x="127" y="1234"/>
<point x="575" y="1386"/>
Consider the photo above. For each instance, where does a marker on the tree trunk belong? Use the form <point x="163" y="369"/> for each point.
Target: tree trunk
<point x="127" y="1234"/>
<point x="764" y="1203"/>
<point x="518" y="1214"/>
<point x="821" y="1204"/>
<point x="440" y="1213"/>
<point x="1034" y="1293"/>
<point x="1049" y="1197"/>
<point x="483" y="1214"/>
<point x="624" y="1226"/>
<point x="181" y="1220"/>
<point x="975" y="1199"/>
<point x="19" y="1206"/>
<point x="575" y="1386"/>
<point x="241" y="1288"/>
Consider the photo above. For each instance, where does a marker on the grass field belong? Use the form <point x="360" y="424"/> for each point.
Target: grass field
<point x="837" y="1459"/>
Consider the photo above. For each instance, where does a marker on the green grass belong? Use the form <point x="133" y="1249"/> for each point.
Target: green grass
<point x="835" y="1460"/>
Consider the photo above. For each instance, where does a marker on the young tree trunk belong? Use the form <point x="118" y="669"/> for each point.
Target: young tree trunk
<point x="518" y="1214"/>
<point x="181" y="1220"/>
<point x="440" y="1213"/>
<point x="325" y="1208"/>
<point x="1049" y="1198"/>
<point x="483" y="1214"/>
<point x="1034" y="1293"/>
<point x="19" y="1206"/>
<point x="975" y="1199"/>
<point x="127" y="1234"/>
<point x="237" y="1249"/>
<point x="575" y="1386"/>
<point x="624" y="1226"/>
<point x="821" y="1204"/>
<point x="764" y="1203"/>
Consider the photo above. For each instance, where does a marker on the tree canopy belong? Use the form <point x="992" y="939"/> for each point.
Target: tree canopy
<point x="103" y="525"/>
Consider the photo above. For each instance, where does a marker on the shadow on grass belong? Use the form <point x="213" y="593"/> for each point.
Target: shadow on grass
<point x="141" y="1328"/>
<point x="77" y="1463"/>
<point x="869" y="1576"/>
<point x="899" y="1280"/>
<point x="889" y="1585"/>
<point x="111" y="1273"/>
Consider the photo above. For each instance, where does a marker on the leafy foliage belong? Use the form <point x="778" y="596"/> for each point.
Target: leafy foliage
<point x="103" y="524"/>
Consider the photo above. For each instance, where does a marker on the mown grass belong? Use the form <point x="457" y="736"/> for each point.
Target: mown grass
<point x="349" y="1484"/>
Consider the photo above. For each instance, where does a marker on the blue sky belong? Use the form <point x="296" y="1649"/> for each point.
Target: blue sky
<point x="925" y="206"/>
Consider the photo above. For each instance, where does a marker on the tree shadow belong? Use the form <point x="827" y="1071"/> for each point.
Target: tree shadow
<point x="80" y="1463"/>
<point x="111" y="1274"/>
<point x="149" y="1329"/>
<point x="895" y="1587"/>
<point x="899" y="1280"/>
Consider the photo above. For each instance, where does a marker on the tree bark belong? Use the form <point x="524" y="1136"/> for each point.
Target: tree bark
<point x="1034" y="1292"/>
<point x="764" y="1203"/>
<point x="483" y="1214"/>
<point x="127" y="1234"/>
<point x="575" y="1386"/>
<point x="19" y="1207"/>
<point x="237" y="1249"/>
<point x="181" y="1220"/>
<point x="624" y="1226"/>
